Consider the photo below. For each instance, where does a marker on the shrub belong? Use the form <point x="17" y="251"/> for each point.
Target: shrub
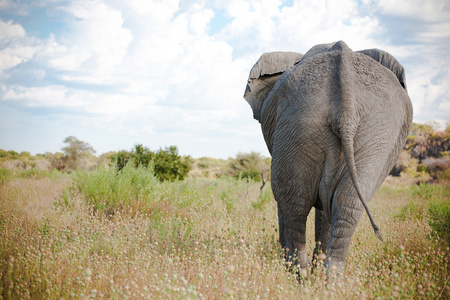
<point x="443" y="174"/>
<point x="122" y="158"/>
<point x="5" y="175"/>
<point x="171" y="166"/>
<point x="411" y="210"/>
<point x="167" y="164"/>
<point x="8" y="154"/>
<point x="33" y="173"/>
<point x="439" y="213"/>
<point x="265" y="197"/>
<point x="108" y="190"/>
<point x="250" y="165"/>
<point x="430" y="192"/>
<point x="57" y="160"/>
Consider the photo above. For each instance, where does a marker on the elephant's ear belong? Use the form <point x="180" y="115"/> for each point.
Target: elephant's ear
<point x="274" y="63"/>
<point x="389" y="61"/>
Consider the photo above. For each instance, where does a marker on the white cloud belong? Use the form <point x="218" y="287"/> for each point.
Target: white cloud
<point x="96" y="46"/>
<point x="166" y="55"/>
<point x="16" y="46"/>
<point x="8" y="30"/>
<point x="435" y="31"/>
<point x="48" y="96"/>
<point x="12" y="6"/>
<point x="429" y="89"/>
<point x="11" y="57"/>
<point x="421" y="37"/>
<point x="258" y="28"/>
<point x="159" y="11"/>
<point x="419" y="10"/>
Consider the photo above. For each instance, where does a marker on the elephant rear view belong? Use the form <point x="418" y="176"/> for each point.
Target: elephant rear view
<point x="335" y="122"/>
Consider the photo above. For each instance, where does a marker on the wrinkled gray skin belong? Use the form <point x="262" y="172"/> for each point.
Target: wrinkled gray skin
<point x="334" y="122"/>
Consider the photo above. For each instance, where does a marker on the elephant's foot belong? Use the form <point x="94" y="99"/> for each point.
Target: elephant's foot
<point x="334" y="268"/>
<point x="295" y="235"/>
<point x="336" y="256"/>
<point x="297" y="260"/>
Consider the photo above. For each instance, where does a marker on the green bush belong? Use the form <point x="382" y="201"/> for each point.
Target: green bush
<point x="33" y="173"/>
<point x="171" y="166"/>
<point x="443" y="174"/>
<point x="4" y="155"/>
<point x="439" y="213"/>
<point x="412" y="210"/>
<point x="108" y="190"/>
<point x="436" y="197"/>
<point x="265" y="197"/>
<point x="421" y="168"/>
<point x="5" y="175"/>
<point x="121" y="159"/>
<point x="430" y="192"/>
<point x="167" y="164"/>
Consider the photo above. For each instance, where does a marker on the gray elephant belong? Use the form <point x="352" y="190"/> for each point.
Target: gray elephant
<point x="334" y="122"/>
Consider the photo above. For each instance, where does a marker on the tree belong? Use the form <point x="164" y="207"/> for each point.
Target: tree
<point x="171" y="166"/>
<point x="250" y="165"/>
<point x="167" y="163"/>
<point x="73" y="150"/>
<point x="142" y="155"/>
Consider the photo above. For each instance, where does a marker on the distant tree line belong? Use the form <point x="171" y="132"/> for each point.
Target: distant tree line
<point x="76" y="154"/>
<point x="165" y="163"/>
<point x="427" y="150"/>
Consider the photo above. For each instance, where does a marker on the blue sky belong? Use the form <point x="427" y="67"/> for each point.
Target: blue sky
<point x="159" y="73"/>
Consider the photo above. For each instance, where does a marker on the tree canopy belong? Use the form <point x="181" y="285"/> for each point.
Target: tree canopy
<point x="167" y="164"/>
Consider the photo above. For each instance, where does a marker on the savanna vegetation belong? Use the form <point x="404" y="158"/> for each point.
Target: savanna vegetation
<point x="102" y="227"/>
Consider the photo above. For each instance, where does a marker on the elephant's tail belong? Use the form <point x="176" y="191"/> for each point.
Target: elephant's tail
<point x="347" y="145"/>
<point x="347" y="124"/>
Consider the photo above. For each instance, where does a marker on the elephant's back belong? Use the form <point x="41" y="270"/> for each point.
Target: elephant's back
<point x="312" y="90"/>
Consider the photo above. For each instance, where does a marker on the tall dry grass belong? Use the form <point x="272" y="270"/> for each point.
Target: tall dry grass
<point x="201" y="239"/>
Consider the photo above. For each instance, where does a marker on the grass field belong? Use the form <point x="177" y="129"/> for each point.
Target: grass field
<point x="100" y="235"/>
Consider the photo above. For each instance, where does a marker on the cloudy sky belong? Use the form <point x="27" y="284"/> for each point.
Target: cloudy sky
<point x="172" y="72"/>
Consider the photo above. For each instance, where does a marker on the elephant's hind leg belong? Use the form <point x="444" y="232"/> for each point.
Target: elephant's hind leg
<point x="292" y="216"/>
<point x="295" y="238"/>
<point x="295" y="184"/>
<point x="322" y="234"/>
<point x="293" y="209"/>
<point x="346" y="211"/>
<point x="318" y="223"/>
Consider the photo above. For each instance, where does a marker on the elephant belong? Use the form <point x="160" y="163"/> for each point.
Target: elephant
<point x="334" y="122"/>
